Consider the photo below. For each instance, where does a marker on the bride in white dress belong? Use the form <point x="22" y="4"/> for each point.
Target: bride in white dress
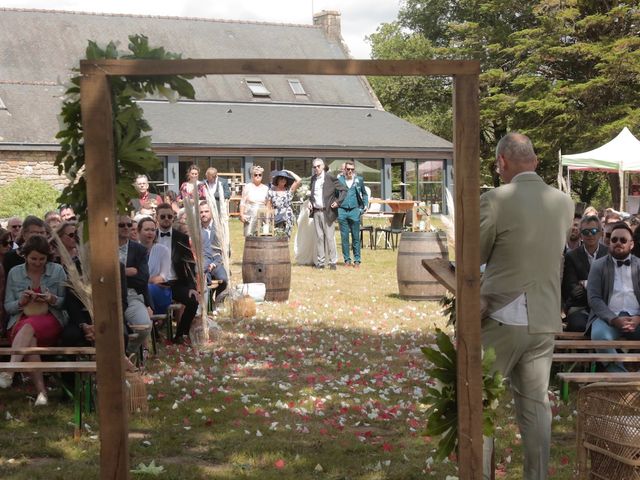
<point x="304" y="243"/>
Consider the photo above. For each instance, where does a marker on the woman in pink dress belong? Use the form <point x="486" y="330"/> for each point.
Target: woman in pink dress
<point x="34" y="296"/>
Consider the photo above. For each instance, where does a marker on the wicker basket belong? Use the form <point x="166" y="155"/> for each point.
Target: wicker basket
<point x="608" y="431"/>
<point x="136" y="393"/>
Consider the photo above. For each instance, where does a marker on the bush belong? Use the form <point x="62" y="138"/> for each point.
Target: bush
<point x="27" y="196"/>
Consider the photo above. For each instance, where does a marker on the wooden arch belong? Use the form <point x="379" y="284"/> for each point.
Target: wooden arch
<point x="97" y="123"/>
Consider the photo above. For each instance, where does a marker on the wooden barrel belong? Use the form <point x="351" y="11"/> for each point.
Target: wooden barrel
<point x="266" y="260"/>
<point x="414" y="282"/>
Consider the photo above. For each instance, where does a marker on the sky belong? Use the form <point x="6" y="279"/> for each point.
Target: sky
<point x="359" y="18"/>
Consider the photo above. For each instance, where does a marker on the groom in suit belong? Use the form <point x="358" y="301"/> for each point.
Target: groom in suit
<point x="523" y="228"/>
<point x="350" y="211"/>
<point x="327" y="193"/>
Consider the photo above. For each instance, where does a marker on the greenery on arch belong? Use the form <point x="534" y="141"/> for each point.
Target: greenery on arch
<point x="133" y="152"/>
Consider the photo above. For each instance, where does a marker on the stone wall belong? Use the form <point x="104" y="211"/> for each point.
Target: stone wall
<point x="30" y="164"/>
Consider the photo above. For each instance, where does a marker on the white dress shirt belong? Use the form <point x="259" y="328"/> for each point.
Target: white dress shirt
<point x="623" y="298"/>
<point x="317" y="191"/>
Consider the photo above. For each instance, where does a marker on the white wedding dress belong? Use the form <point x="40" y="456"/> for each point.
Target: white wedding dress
<point x="304" y="243"/>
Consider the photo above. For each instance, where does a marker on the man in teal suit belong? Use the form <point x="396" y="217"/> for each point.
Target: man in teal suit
<point x="350" y="211"/>
<point x="523" y="228"/>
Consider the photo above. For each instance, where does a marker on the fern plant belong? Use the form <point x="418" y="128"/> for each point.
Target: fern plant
<point x="442" y="413"/>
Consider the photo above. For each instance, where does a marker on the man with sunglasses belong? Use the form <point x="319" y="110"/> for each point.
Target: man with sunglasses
<point x="350" y="212"/>
<point x="523" y="231"/>
<point x="14" y="225"/>
<point x="327" y="194"/>
<point x="182" y="273"/>
<point x="134" y="257"/>
<point x="613" y="290"/>
<point x="577" y="264"/>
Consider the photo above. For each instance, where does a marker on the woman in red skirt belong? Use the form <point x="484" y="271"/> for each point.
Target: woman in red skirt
<point x="33" y="300"/>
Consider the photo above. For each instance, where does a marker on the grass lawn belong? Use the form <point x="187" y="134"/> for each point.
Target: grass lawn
<point x="324" y="386"/>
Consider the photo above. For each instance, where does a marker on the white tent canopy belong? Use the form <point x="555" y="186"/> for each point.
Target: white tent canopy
<point x="620" y="154"/>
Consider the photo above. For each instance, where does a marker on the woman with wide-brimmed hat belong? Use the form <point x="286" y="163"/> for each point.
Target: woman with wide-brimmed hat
<point x="284" y="183"/>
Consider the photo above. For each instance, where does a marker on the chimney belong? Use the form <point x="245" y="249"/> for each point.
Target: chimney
<point x="329" y="20"/>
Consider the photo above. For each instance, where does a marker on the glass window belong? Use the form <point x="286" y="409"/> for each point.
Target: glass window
<point x="257" y="87"/>
<point x="431" y="176"/>
<point x="296" y="86"/>
<point x="299" y="166"/>
<point x="371" y="171"/>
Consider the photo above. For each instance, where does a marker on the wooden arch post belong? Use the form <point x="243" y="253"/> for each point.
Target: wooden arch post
<point x="100" y="175"/>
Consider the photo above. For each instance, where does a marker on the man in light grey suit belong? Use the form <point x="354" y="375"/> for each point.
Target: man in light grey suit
<point x="613" y="289"/>
<point x="523" y="228"/>
<point x="327" y="193"/>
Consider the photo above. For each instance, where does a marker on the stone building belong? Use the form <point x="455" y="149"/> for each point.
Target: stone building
<point x="236" y="121"/>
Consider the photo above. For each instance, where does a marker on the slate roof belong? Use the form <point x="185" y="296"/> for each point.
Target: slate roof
<point x="284" y="126"/>
<point x="39" y="48"/>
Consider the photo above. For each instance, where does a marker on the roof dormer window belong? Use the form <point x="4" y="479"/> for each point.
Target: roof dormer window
<point x="296" y="86"/>
<point x="257" y="87"/>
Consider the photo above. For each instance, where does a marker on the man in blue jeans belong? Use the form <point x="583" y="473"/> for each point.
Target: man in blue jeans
<point x="349" y="212"/>
<point x="613" y="289"/>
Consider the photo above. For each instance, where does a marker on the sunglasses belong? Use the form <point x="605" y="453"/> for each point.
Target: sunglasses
<point x="621" y="240"/>
<point x="16" y="226"/>
<point x="589" y="231"/>
<point x="166" y="216"/>
<point x="128" y="225"/>
<point x="317" y="166"/>
<point x="257" y="174"/>
<point x="350" y="169"/>
<point x="74" y="234"/>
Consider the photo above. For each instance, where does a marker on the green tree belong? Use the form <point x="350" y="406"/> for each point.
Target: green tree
<point x="27" y="196"/>
<point x="564" y="73"/>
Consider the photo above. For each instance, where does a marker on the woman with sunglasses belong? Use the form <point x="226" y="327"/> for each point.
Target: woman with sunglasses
<point x="159" y="265"/>
<point x="34" y="298"/>
<point x="254" y="197"/>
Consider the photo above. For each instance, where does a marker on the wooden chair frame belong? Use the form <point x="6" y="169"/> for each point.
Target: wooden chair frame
<point x="97" y="120"/>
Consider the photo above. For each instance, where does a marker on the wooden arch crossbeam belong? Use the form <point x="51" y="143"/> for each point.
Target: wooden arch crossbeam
<point x="97" y="124"/>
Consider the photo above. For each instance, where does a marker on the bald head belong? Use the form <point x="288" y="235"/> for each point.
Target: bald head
<point x="514" y="155"/>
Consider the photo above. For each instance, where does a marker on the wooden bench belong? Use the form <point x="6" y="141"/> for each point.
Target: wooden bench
<point x="590" y="377"/>
<point x="591" y="357"/>
<point x="588" y="344"/>
<point x="81" y="368"/>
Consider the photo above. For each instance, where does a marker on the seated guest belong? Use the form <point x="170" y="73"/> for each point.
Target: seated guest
<point x="146" y="200"/>
<point x="14" y="225"/>
<point x="182" y="272"/>
<point x="134" y="257"/>
<point x="67" y="214"/>
<point x="53" y="219"/>
<point x="31" y="226"/>
<point x="159" y="265"/>
<point x="34" y="298"/>
<point x="576" y="271"/>
<point x="613" y="291"/>
<point x="212" y="253"/>
<point x="573" y="237"/>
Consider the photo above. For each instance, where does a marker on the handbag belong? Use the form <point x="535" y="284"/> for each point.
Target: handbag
<point x="280" y="218"/>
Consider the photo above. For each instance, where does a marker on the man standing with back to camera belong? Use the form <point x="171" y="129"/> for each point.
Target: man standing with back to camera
<point x="523" y="228"/>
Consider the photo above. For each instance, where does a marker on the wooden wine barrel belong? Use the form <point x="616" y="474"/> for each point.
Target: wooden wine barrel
<point x="414" y="282"/>
<point x="267" y="260"/>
